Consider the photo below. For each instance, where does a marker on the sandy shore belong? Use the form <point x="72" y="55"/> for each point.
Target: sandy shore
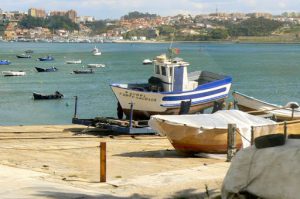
<point x="63" y="162"/>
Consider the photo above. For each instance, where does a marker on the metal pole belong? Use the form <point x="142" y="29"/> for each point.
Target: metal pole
<point x="102" y="161"/>
<point x="285" y="129"/>
<point x="252" y="135"/>
<point x="231" y="148"/>
<point x="131" y="115"/>
<point x="75" y="112"/>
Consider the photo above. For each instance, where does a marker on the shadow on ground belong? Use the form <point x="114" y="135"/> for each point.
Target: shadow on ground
<point x="154" y="154"/>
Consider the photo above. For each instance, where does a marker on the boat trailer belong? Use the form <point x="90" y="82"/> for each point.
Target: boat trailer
<point x="119" y="126"/>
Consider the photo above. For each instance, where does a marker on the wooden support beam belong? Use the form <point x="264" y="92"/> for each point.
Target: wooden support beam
<point x="102" y="161"/>
<point x="231" y="142"/>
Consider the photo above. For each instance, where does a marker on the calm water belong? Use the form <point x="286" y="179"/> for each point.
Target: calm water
<point x="266" y="71"/>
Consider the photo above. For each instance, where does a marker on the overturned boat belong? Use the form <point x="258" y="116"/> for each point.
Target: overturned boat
<point x="290" y="111"/>
<point x="207" y="133"/>
<point x="168" y="88"/>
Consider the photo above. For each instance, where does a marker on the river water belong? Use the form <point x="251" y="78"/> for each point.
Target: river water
<point x="265" y="71"/>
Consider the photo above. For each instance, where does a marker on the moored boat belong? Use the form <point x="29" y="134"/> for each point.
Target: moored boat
<point x="96" y="51"/>
<point x="169" y="87"/>
<point x="95" y="65"/>
<point x="5" y="62"/>
<point x="39" y="96"/>
<point x="83" y="71"/>
<point x="52" y="69"/>
<point x="13" y="73"/>
<point x="73" y="62"/>
<point x="290" y="111"/>
<point x="23" y="56"/>
<point x="147" y="62"/>
<point x="28" y="51"/>
<point x="207" y="133"/>
<point x="47" y="58"/>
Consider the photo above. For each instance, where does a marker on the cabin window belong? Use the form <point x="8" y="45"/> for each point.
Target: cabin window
<point x="157" y="69"/>
<point x="163" y="71"/>
<point x="171" y="71"/>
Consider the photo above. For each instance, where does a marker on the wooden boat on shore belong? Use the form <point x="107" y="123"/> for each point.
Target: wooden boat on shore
<point x="168" y="88"/>
<point x="23" y="56"/>
<point x="47" y="58"/>
<point x="207" y="133"/>
<point x="52" y="69"/>
<point x="39" y="96"/>
<point x="83" y="71"/>
<point x="290" y="111"/>
<point x="13" y="73"/>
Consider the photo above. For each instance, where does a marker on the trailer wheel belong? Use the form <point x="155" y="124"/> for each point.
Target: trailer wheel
<point x="269" y="141"/>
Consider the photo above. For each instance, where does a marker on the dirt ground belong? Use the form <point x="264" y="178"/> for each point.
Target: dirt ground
<point x="64" y="162"/>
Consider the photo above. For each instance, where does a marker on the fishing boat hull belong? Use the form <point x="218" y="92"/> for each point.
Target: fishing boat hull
<point x="83" y="71"/>
<point x="147" y="103"/>
<point x="73" y="62"/>
<point x="46" y="59"/>
<point x="23" y="56"/>
<point x="259" y="107"/>
<point x="95" y="65"/>
<point x="4" y="62"/>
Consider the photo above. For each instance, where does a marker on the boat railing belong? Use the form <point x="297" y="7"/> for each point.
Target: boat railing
<point x="289" y="129"/>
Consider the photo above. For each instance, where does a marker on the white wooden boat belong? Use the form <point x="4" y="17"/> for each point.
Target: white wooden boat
<point x="13" y="73"/>
<point x="147" y="62"/>
<point x="290" y="111"/>
<point x="95" y="65"/>
<point x="170" y="86"/>
<point x="73" y="62"/>
<point x="96" y="51"/>
<point x="207" y="133"/>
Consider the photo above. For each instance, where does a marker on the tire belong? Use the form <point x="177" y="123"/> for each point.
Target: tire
<point x="271" y="140"/>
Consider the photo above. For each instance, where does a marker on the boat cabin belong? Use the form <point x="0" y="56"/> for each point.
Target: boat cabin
<point x="170" y="75"/>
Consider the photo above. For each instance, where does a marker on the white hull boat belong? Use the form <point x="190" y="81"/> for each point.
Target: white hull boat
<point x="73" y="62"/>
<point x="96" y="51"/>
<point x="169" y="88"/>
<point x="13" y="73"/>
<point x="95" y="65"/>
<point x="147" y="62"/>
<point x="290" y="111"/>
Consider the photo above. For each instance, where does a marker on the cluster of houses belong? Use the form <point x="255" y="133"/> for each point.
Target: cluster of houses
<point x="200" y="22"/>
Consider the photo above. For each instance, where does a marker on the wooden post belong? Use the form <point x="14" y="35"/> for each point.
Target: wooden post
<point x="75" y="111"/>
<point x="285" y="129"/>
<point x="102" y="161"/>
<point x="231" y="148"/>
<point x="252" y="135"/>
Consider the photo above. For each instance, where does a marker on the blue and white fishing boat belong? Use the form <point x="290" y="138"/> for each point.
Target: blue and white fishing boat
<point x="169" y="87"/>
<point x="4" y="62"/>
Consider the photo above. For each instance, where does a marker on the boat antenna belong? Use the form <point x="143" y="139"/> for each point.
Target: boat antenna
<point x="170" y="47"/>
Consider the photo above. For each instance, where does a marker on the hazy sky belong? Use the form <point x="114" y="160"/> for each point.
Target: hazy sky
<point x="102" y="9"/>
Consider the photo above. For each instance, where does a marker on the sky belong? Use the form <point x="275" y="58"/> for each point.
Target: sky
<point x="114" y="9"/>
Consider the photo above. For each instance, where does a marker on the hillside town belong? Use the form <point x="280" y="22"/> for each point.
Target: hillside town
<point x="141" y="28"/>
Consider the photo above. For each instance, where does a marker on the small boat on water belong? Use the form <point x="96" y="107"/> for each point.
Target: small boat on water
<point x="13" y="73"/>
<point x="52" y="69"/>
<point x="96" y="51"/>
<point x="90" y="71"/>
<point x="207" y="133"/>
<point x="39" y="96"/>
<point x="147" y="62"/>
<point x="169" y="86"/>
<point x="290" y="111"/>
<point x="47" y="58"/>
<point x="28" y="51"/>
<point x="23" y="56"/>
<point x="73" y="62"/>
<point x="5" y="62"/>
<point x="95" y="65"/>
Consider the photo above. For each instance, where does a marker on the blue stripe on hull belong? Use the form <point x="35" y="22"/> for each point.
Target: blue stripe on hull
<point x="197" y="102"/>
<point x="193" y="96"/>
